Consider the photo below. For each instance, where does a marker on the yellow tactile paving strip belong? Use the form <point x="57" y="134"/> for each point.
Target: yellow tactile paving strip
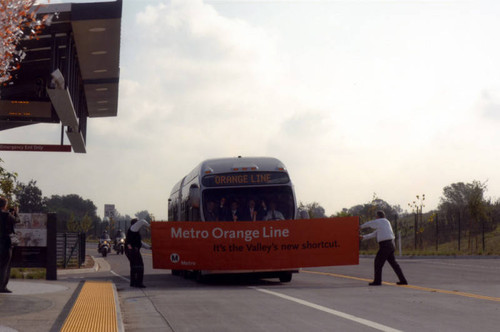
<point x="94" y="309"/>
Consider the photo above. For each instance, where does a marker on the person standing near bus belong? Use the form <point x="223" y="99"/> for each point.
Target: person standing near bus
<point x="385" y="238"/>
<point x="7" y="224"/>
<point x="133" y="244"/>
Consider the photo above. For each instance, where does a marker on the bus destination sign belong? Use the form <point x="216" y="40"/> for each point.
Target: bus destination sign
<point x="249" y="178"/>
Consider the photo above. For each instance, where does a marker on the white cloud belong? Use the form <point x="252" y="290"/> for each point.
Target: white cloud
<point x="489" y="104"/>
<point x="205" y="87"/>
<point x="397" y="99"/>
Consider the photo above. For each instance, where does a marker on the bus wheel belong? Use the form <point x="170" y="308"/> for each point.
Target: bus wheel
<point x="286" y="277"/>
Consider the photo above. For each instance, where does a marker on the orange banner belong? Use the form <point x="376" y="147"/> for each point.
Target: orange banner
<point x="260" y="245"/>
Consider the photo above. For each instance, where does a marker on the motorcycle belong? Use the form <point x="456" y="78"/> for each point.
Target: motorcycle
<point x="119" y="246"/>
<point x="104" y="247"/>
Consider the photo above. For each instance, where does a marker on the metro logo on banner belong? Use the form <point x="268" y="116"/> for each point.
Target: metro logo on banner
<point x="257" y="245"/>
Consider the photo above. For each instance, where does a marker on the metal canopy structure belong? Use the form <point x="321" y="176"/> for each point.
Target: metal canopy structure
<point x="70" y="72"/>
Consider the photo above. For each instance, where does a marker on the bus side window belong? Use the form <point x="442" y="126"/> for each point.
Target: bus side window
<point x="194" y="204"/>
<point x="194" y="197"/>
<point x="195" y="214"/>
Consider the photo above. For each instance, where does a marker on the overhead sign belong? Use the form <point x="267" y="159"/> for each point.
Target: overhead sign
<point x="109" y="210"/>
<point x="248" y="178"/>
<point x="35" y="147"/>
<point x="257" y="245"/>
<point x="19" y="110"/>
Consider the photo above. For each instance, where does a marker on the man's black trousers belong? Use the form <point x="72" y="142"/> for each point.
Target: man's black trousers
<point x="136" y="266"/>
<point x="386" y="253"/>
<point x="5" y="258"/>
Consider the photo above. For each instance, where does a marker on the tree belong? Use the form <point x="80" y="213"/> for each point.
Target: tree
<point x="467" y="202"/>
<point x="368" y="210"/>
<point x="30" y="198"/>
<point x="121" y="222"/>
<point x="72" y="224"/>
<point x="344" y="213"/>
<point x="315" y="210"/>
<point x="18" y="21"/>
<point x="8" y="183"/>
<point x="144" y="215"/>
<point x="84" y="225"/>
<point x="66" y="205"/>
<point x="464" y="198"/>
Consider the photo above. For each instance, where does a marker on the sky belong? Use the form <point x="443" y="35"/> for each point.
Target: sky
<point x="393" y="98"/>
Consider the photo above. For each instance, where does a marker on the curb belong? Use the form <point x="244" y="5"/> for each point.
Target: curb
<point x="77" y="271"/>
<point x="119" y="317"/>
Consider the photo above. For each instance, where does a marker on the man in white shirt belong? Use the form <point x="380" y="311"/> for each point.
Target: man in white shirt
<point x="385" y="238"/>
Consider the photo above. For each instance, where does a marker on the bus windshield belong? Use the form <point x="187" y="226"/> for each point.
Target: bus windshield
<point x="248" y="204"/>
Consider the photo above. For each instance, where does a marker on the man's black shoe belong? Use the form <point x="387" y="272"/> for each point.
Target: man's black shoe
<point x="374" y="284"/>
<point x="5" y="290"/>
<point x="402" y="283"/>
<point x="140" y="286"/>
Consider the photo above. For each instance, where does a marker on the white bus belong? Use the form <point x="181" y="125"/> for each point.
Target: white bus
<point x="228" y="189"/>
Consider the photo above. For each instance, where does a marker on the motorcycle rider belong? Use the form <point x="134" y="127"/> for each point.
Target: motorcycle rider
<point x="104" y="237"/>
<point x="119" y="236"/>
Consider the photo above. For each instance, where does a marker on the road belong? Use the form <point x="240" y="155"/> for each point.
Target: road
<point x="443" y="295"/>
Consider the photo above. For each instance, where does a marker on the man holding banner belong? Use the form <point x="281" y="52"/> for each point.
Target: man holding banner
<point x="133" y="244"/>
<point x="385" y="238"/>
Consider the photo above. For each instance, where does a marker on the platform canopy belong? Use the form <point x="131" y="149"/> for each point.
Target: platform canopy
<point x="70" y="71"/>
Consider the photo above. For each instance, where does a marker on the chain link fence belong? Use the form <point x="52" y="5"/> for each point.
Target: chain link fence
<point x="441" y="234"/>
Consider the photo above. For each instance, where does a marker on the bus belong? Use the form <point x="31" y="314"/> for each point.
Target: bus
<point x="235" y="189"/>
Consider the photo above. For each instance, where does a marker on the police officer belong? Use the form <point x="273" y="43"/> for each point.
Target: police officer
<point x="133" y="244"/>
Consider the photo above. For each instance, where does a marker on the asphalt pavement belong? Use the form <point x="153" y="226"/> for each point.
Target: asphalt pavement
<point x="444" y="294"/>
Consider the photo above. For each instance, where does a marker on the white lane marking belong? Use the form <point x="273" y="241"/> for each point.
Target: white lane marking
<point x="330" y="311"/>
<point x="120" y="276"/>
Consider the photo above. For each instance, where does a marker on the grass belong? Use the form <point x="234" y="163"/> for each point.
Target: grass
<point x="27" y="273"/>
<point x="40" y="273"/>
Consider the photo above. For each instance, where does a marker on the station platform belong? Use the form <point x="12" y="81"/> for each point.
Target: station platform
<point x="60" y="305"/>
